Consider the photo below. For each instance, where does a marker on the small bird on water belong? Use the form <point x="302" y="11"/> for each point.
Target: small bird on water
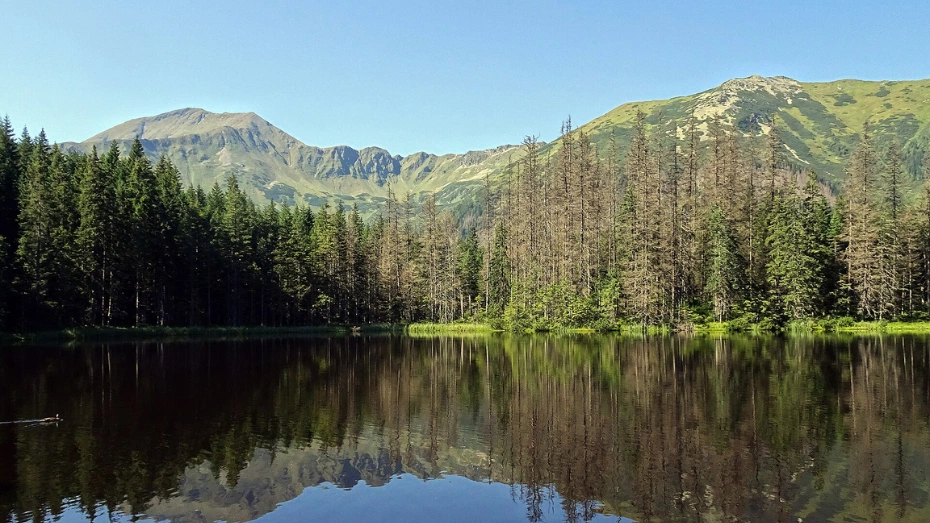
<point x="54" y="419"/>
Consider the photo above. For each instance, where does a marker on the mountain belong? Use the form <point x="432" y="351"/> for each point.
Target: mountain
<point x="273" y="165"/>
<point x="819" y="123"/>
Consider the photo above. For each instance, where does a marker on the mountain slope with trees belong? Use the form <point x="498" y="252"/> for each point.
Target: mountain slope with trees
<point x="820" y="125"/>
<point x="272" y="165"/>
<point x="669" y="230"/>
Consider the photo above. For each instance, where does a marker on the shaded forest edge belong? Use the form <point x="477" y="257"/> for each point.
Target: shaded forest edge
<point x="694" y="230"/>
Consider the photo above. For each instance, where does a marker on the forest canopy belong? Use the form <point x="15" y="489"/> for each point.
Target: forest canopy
<point x="698" y="226"/>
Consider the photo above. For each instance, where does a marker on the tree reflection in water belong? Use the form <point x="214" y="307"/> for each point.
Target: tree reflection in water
<point x="664" y="429"/>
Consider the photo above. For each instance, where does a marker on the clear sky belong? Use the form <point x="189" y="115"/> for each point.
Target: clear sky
<point x="425" y="75"/>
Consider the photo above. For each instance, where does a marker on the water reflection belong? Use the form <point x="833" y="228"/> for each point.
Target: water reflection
<point x="575" y="428"/>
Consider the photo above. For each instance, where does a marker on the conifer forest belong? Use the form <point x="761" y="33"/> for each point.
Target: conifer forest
<point x="677" y="229"/>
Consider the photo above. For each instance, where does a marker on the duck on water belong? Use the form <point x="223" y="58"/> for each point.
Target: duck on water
<point x="53" y="419"/>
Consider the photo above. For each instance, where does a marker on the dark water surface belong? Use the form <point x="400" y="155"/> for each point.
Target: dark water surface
<point x="493" y="428"/>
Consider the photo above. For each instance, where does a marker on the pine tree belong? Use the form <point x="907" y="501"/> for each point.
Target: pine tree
<point x="794" y="270"/>
<point x="24" y="150"/>
<point x="170" y="210"/>
<point x="235" y="240"/>
<point x="890" y="244"/>
<point x="325" y="241"/>
<point x="359" y="254"/>
<point x="195" y="257"/>
<point x="923" y="238"/>
<point x="822" y="225"/>
<point x="433" y="255"/>
<point x="10" y="175"/>
<point x="268" y="233"/>
<point x="5" y="291"/>
<point x="35" y="253"/>
<point x="645" y="292"/>
<point x="146" y="232"/>
<point x="862" y="232"/>
<point x="499" y="263"/>
<point x="725" y="276"/>
<point x="94" y="236"/>
<point x="468" y="270"/>
<point x="120" y="296"/>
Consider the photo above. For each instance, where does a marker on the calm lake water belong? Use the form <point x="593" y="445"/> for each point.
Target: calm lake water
<point x="497" y="428"/>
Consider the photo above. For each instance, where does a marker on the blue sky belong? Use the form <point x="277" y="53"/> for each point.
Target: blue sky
<point x="425" y="75"/>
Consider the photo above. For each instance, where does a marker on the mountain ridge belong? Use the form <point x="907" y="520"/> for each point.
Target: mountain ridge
<point x="274" y="165"/>
<point x="819" y="123"/>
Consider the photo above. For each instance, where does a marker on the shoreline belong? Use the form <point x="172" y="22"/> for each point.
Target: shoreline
<point x="117" y="334"/>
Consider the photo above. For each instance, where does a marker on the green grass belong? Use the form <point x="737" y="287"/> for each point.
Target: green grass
<point x="843" y="325"/>
<point x="97" y="334"/>
<point x="891" y="327"/>
<point x="713" y="327"/>
<point x="448" y="328"/>
<point x="652" y="330"/>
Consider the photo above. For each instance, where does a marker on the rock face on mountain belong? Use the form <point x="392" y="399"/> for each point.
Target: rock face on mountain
<point x="273" y="165"/>
<point x="819" y="124"/>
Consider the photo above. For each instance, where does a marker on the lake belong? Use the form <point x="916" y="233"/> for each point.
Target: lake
<point x="484" y="428"/>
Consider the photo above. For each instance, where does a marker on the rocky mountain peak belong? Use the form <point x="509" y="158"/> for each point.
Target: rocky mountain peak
<point x="180" y="122"/>
<point x="721" y="99"/>
<point x="774" y="85"/>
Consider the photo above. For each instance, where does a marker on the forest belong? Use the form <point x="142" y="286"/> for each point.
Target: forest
<point x="678" y="229"/>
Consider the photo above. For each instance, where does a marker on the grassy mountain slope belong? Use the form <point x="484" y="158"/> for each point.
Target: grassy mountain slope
<point x="820" y="124"/>
<point x="273" y="165"/>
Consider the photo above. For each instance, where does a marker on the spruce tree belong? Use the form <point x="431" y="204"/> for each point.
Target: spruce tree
<point x="146" y="233"/>
<point x="5" y="285"/>
<point x="267" y="236"/>
<point x="499" y="270"/>
<point x="923" y="229"/>
<point x="9" y="185"/>
<point x="793" y="271"/>
<point x="95" y="236"/>
<point x="725" y="269"/>
<point x="169" y="211"/>
<point x="359" y="271"/>
<point x="890" y="243"/>
<point x="10" y="176"/>
<point x="195" y="257"/>
<point x="863" y="270"/>
<point x="468" y="270"/>
<point x="235" y="233"/>
<point x="35" y="253"/>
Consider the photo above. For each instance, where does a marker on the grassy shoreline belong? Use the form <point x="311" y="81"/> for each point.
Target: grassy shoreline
<point x="893" y="327"/>
<point x="415" y="329"/>
<point x="824" y="325"/>
<point x="116" y="334"/>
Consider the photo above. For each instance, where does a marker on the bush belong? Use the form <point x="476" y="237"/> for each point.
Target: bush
<point x="516" y="318"/>
<point x="770" y="325"/>
<point x="738" y="324"/>
<point x="698" y="313"/>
